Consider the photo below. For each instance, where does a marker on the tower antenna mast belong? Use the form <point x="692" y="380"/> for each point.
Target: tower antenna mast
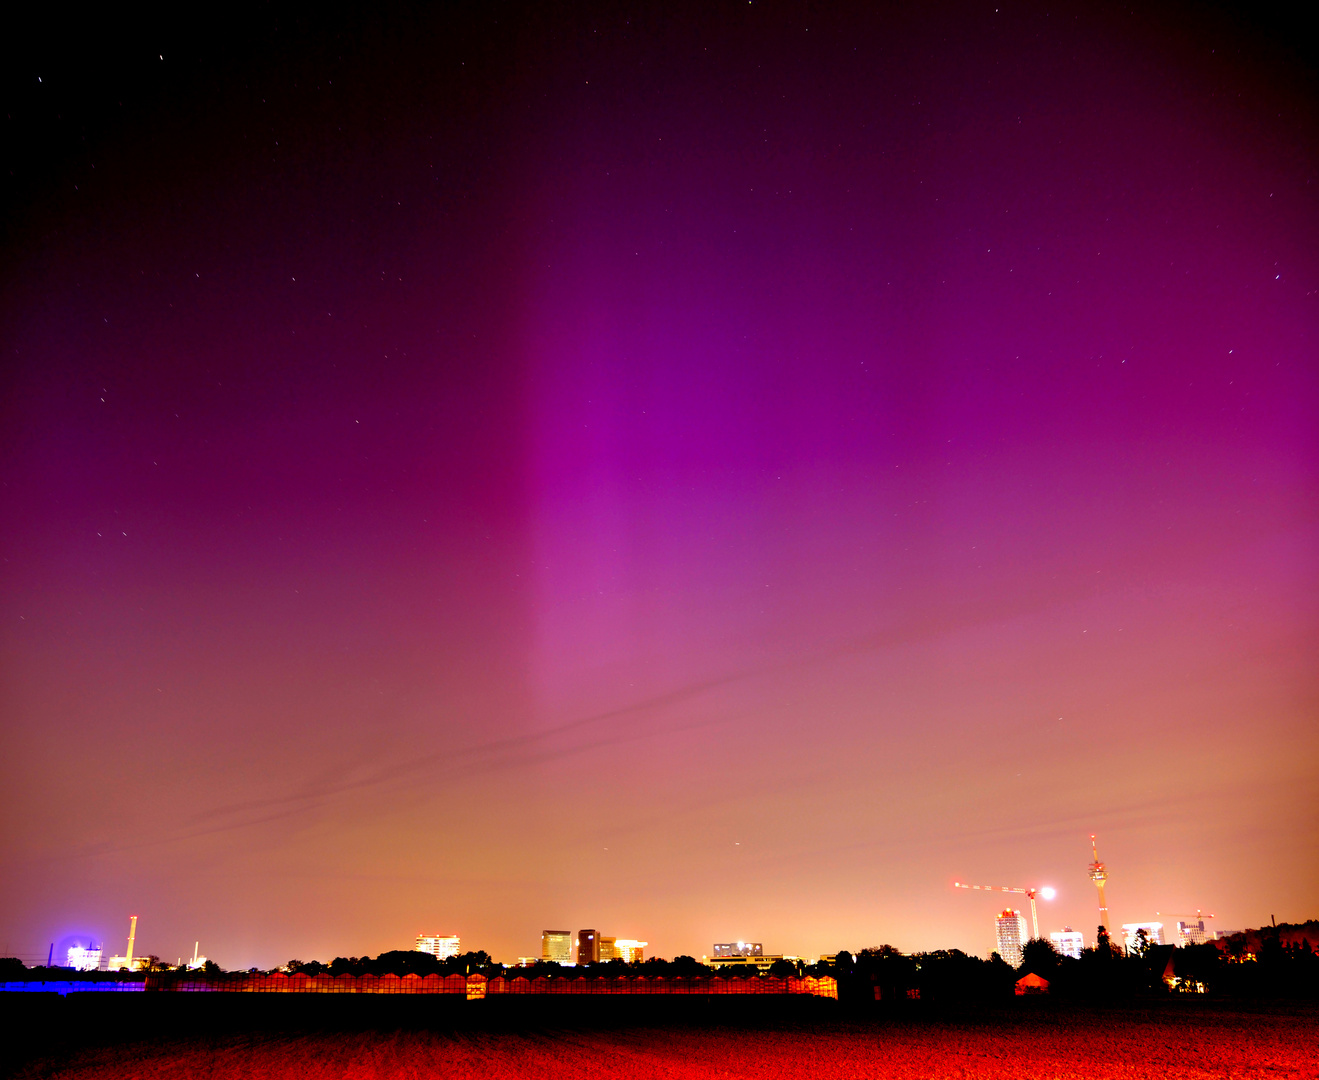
<point x="1099" y="875"/>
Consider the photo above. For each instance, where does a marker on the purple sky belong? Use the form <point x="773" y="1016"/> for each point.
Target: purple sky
<point x="701" y="478"/>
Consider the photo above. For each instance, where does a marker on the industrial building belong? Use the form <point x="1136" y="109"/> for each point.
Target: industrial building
<point x="440" y="946"/>
<point x="128" y="962"/>
<point x="84" y="958"/>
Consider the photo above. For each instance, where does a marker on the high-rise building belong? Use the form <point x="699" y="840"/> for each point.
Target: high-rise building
<point x="440" y="946"/>
<point x="607" y="951"/>
<point x="556" y="945"/>
<point x="84" y="958"/>
<point x="629" y="950"/>
<point x="588" y="947"/>
<point x="739" y="948"/>
<point x="1012" y="935"/>
<point x="1068" y="942"/>
<point x="1131" y="930"/>
<point x="1192" y="932"/>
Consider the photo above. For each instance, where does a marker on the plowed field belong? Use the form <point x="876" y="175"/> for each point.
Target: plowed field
<point x="1131" y="1045"/>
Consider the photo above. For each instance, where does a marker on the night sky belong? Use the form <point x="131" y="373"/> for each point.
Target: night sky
<point x="706" y="476"/>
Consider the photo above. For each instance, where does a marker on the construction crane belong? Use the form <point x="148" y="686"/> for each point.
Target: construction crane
<point x="1030" y="894"/>
<point x="1099" y="875"/>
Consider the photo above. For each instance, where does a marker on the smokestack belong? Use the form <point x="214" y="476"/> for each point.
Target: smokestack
<point x="50" y="956"/>
<point x="195" y="946"/>
<point x="132" y="933"/>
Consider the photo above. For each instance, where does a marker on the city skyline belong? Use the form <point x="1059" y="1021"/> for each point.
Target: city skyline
<point x="565" y="946"/>
<point x="704" y="473"/>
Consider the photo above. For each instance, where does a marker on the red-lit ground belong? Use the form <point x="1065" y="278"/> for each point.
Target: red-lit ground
<point x="1133" y="1045"/>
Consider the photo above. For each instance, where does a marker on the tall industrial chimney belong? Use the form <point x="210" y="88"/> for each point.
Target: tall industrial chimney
<point x="132" y="933"/>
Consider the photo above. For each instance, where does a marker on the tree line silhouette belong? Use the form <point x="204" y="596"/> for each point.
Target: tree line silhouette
<point x="1281" y="964"/>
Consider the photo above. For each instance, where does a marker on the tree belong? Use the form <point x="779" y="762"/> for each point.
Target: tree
<point x="1103" y="946"/>
<point x="883" y="967"/>
<point x="211" y="968"/>
<point x="783" y="969"/>
<point x="1039" y="956"/>
<point x="1142" y="945"/>
<point x="1197" y="966"/>
<point x="951" y="975"/>
<point x="687" y="965"/>
<point x="475" y="962"/>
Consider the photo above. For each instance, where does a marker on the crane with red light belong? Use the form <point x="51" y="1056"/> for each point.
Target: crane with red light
<point x="1047" y="893"/>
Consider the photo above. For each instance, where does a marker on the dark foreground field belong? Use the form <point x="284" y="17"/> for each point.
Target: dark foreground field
<point x="272" y="1041"/>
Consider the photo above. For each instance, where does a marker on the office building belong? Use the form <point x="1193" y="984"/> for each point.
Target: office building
<point x="440" y="946"/>
<point x="1012" y="935"/>
<point x="556" y="946"/>
<point x="1068" y="942"/>
<point x="84" y="958"/>
<point x="762" y="961"/>
<point x="738" y="948"/>
<point x="629" y="950"/>
<point x="1192" y="932"/>
<point x="606" y="950"/>
<point x="1131" y="930"/>
<point x="588" y="947"/>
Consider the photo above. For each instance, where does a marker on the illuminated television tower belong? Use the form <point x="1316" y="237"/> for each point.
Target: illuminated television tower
<point x="1099" y="875"/>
